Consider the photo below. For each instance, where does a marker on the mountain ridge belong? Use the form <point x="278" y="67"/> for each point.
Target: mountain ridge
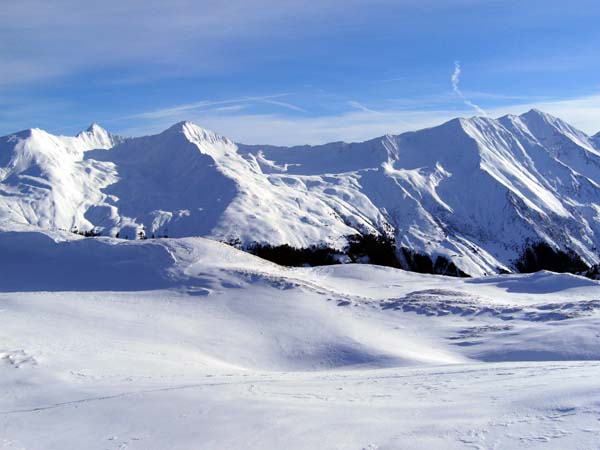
<point x="475" y="191"/>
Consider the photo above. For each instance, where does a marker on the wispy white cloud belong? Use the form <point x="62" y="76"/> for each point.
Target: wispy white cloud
<point x="230" y="108"/>
<point x="284" y="105"/>
<point x="282" y="130"/>
<point x="43" y="39"/>
<point x="581" y="112"/>
<point x="187" y="108"/>
<point x="448" y="98"/>
<point x="362" y="107"/>
<point x="360" y="124"/>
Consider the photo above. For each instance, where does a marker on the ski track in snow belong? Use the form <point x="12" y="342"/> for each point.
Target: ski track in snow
<point x="497" y="407"/>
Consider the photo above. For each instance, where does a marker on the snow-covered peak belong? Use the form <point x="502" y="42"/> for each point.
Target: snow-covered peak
<point x="96" y="137"/>
<point x="196" y="134"/>
<point x="553" y="131"/>
<point x="536" y="114"/>
<point x="544" y="123"/>
<point x="95" y="128"/>
<point x="538" y="125"/>
<point x="179" y="127"/>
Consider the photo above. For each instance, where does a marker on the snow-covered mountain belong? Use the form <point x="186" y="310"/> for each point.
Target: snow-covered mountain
<point x="474" y="190"/>
<point x="45" y="179"/>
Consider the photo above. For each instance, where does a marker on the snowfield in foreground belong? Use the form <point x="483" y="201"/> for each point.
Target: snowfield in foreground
<point x="191" y="344"/>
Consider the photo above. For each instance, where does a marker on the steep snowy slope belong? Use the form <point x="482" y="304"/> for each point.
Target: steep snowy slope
<point x="476" y="191"/>
<point x="44" y="180"/>
<point x="167" y="183"/>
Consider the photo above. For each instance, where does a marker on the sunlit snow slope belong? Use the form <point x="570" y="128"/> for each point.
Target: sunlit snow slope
<point x="474" y="190"/>
<point x="191" y="344"/>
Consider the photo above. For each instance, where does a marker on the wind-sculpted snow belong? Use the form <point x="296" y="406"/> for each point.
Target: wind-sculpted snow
<point x="190" y="343"/>
<point x="435" y="302"/>
<point x="476" y="191"/>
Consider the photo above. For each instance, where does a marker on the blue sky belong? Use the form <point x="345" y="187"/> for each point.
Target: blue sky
<point x="294" y="71"/>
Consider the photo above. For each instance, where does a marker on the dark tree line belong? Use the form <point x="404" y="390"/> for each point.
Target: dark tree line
<point x="380" y="249"/>
<point x="593" y="272"/>
<point x="286" y="255"/>
<point x="374" y="249"/>
<point x="541" y="256"/>
<point x="87" y="233"/>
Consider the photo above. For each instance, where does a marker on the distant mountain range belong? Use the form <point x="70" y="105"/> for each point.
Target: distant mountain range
<point x="477" y="191"/>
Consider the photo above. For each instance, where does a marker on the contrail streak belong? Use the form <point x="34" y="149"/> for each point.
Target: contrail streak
<point x="455" y="80"/>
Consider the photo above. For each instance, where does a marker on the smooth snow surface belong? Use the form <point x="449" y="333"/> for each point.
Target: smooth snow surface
<point x="190" y="344"/>
<point x="474" y="190"/>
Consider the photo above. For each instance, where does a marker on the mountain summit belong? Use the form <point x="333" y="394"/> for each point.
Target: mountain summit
<point x="476" y="191"/>
<point x="97" y="137"/>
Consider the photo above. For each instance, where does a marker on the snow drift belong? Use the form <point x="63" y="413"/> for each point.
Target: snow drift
<point x="190" y="343"/>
